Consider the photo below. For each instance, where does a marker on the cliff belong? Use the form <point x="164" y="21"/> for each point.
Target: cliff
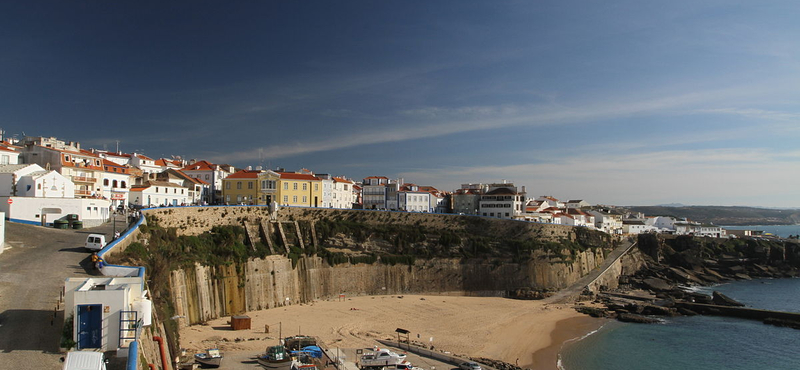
<point x="209" y="262"/>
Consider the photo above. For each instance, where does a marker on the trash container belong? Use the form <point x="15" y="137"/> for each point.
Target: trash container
<point x="61" y="224"/>
<point x="77" y="225"/>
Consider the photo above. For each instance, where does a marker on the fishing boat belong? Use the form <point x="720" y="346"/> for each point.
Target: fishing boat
<point x="276" y="358"/>
<point x="210" y="358"/>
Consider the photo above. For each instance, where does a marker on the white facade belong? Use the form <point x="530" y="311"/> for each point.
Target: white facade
<point x="116" y="187"/>
<point x="144" y="163"/>
<point x="159" y="193"/>
<point x="414" y="201"/>
<point x="8" y="156"/>
<point x="635" y="227"/>
<point x="43" y="211"/>
<point x="119" y="300"/>
<point x="502" y="201"/>
<point x="342" y="193"/>
<point x="607" y="223"/>
<point x="45" y="185"/>
<point x="661" y="222"/>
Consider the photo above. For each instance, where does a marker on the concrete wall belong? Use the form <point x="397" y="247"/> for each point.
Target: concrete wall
<point x="93" y="212"/>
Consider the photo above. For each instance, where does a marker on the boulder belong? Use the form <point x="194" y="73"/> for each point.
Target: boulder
<point x="723" y="300"/>
<point x="743" y="277"/>
<point x="657" y="284"/>
<point x="639" y="319"/>
<point x="592" y="311"/>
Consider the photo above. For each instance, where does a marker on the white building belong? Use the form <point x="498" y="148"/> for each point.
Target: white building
<point x="115" y="183"/>
<point x="502" y="201"/>
<point x="342" y="193"/>
<point x="43" y="211"/>
<point x="607" y="222"/>
<point x="635" y="227"/>
<point x="159" y="193"/>
<point x="411" y="199"/>
<point x="577" y="203"/>
<point x="106" y="312"/>
<point x="8" y="156"/>
<point x="213" y="175"/>
<point x="144" y="163"/>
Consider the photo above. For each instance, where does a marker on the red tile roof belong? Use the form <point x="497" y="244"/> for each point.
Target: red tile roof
<point x="339" y="179"/>
<point x="244" y="174"/>
<point x="297" y="176"/>
<point x="199" y="166"/>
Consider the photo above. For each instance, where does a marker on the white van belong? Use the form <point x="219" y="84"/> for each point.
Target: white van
<point x="95" y="242"/>
<point x="84" y="360"/>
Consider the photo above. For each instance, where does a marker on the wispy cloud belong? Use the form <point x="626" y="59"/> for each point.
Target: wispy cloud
<point x="431" y="122"/>
<point x="695" y="176"/>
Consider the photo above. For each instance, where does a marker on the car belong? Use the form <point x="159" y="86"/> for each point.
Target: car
<point x="95" y="242"/>
<point x="469" y="366"/>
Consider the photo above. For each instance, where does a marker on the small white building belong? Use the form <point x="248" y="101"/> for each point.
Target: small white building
<point x="159" y="193"/>
<point x="410" y="199"/>
<point x="635" y="227"/>
<point x="31" y="180"/>
<point x="342" y="193"/>
<point x="577" y="203"/>
<point x="8" y="156"/>
<point x="115" y="183"/>
<point x="106" y="312"/>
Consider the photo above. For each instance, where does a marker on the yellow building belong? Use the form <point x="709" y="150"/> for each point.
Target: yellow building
<point x="299" y="189"/>
<point x="241" y="188"/>
<point x="268" y="187"/>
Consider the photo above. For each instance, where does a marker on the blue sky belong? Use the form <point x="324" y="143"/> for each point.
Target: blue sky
<point x="617" y="102"/>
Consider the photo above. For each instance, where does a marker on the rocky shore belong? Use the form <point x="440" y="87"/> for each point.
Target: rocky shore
<point x="661" y="288"/>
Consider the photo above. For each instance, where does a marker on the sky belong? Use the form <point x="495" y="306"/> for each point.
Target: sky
<point x="614" y="102"/>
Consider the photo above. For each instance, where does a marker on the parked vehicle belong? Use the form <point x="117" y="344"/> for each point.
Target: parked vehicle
<point x="382" y="357"/>
<point x="84" y="360"/>
<point x="95" y="242"/>
<point x="469" y="366"/>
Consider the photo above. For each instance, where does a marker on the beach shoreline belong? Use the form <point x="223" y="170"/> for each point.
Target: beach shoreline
<point x="566" y="332"/>
<point x="528" y="333"/>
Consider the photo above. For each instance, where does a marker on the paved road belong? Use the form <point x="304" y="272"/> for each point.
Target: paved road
<point x="33" y="268"/>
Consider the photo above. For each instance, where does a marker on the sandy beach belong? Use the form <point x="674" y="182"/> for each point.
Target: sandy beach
<point x="529" y="333"/>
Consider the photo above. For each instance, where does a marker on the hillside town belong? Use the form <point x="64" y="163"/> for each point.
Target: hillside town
<point x="44" y="179"/>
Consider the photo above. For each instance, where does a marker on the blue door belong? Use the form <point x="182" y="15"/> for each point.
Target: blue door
<point x="90" y="321"/>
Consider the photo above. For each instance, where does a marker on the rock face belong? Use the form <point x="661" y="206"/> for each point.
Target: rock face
<point x="684" y="260"/>
<point x="723" y="300"/>
<point x="634" y="318"/>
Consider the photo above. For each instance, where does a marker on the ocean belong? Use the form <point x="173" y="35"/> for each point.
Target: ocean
<point x="780" y="230"/>
<point x="699" y="342"/>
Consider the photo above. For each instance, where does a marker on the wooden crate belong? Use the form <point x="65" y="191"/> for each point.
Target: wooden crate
<point x="240" y="322"/>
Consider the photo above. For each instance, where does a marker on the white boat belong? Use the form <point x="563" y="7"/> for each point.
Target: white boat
<point x="210" y="358"/>
<point x="383" y="357"/>
<point x="276" y="358"/>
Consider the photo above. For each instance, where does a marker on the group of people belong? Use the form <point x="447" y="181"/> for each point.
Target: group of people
<point x="97" y="261"/>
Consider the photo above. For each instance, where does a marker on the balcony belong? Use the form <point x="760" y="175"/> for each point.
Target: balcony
<point x="85" y="179"/>
<point x="83" y="193"/>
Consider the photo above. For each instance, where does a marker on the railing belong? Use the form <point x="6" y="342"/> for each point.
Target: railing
<point x="83" y="192"/>
<point x="83" y="179"/>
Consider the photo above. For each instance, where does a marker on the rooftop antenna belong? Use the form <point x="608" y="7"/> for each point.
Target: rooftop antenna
<point x="117" y="146"/>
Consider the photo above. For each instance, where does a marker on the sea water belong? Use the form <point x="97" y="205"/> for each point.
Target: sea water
<point x="779" y="230"/>
<point x="698" y="342"/>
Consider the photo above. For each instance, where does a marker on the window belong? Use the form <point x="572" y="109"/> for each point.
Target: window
<point x="239" y="185"/>
<point x="105" y="182"/>
<point x="238" y="199"/>
<point x="285" y="186"/>
<point x="345" y="187"/>
<point x="114" y="184"/>
<point x="305" y="199"/>
<point x="294" y="186"/>
<point x="250" y="185"/>
<point x="294" y="199"/>
<point x="227" y="185"/>
<point x="228" y="198"/>
<point x="316" y="187"/>
<point x="156" y="192"/>
<point x="4" y="159"/>
<point x="286" y="199"/>
<point x="39" y="186"/>
<point x="123" y="185"/>
<point x="206" y="177"/>
<point x="305" y="186"/>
